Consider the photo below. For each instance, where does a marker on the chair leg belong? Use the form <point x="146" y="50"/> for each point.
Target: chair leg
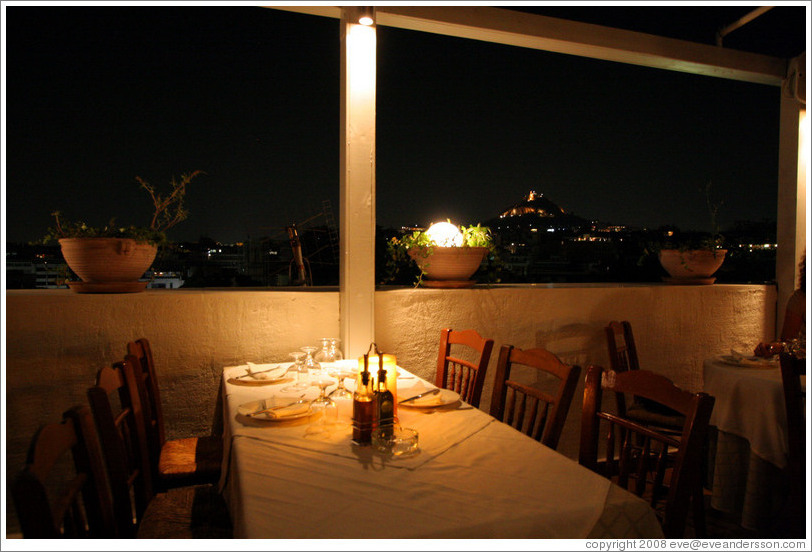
<point x="698" y="507"/>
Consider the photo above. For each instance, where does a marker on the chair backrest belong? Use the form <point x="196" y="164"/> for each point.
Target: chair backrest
<point x="791" y="522"/>
<point x="663" y="467"/>
<point x="792" y="369"/>
<point x="466" y="376"/>
<point x="622" y="355"/>
<point x="54" y="500"/>
<point x="147" y="379"/>
<point x="537" y="413"/>
<point x="116" y="409"/>
<point x="622" y="350"/>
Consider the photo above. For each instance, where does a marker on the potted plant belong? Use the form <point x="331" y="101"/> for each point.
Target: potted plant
<point x="446" y="255"/>
<point x="694" y="257"/>
<point x="112" y="258"/>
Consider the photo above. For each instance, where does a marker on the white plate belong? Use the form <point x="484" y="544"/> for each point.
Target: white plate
<point x="249" y="408"/>
<point x="443" y="398"/>
<point x="749" y="362"/>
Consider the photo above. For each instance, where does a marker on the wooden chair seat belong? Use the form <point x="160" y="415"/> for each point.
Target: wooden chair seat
<point x="174" y="462"/>
<point x="192" y="459"/>
<point x="462" y="362"/>
<point x="647" y="414"/>
<point x="196" y="512"/>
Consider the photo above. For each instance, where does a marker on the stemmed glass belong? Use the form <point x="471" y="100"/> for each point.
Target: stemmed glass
<point x="335" y="352"/>
<point x="329" y="351"/>
<point x="341" y="373"/>
<point x="323" y="409"/>
<point x="302" y="375"/>
<point x="323" y="355"/>
<point x="310" y="363"/>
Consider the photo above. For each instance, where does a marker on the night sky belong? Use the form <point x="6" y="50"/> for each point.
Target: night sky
<point x="99" y="95"/>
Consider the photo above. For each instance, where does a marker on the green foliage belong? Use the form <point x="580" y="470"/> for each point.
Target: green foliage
<point x="476" y="236"/>
<point x="398" y="259"/>
<point x="169" y="211"/>
<point x="673" y="238"/>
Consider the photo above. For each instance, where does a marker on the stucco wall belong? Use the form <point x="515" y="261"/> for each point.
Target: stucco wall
<point x="56" y="340"/>
<point x="675" y="327"/>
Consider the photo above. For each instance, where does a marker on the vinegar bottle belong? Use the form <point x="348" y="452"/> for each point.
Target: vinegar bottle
<point x="363" y="410"/>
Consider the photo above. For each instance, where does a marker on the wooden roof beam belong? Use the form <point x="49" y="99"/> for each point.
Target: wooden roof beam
<point x="570" y="37"/>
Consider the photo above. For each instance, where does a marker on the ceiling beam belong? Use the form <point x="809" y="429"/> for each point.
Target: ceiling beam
<point x="571" y="37"/>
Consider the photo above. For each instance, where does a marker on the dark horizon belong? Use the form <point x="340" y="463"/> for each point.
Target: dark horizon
<point x="99" y="95"/>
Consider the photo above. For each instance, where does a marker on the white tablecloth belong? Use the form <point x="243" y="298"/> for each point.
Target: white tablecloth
<point x="750" y="404"/>
<point x="750" y="450"/>
<point x="473" y="478"/>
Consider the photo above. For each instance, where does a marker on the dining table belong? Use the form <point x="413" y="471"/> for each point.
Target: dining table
<point x="749" y="453"/>
<point x="470" y="477"/>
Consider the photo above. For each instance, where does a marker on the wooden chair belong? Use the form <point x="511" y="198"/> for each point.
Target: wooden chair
<point x="81" y="506"/>
<point x="175" y="462"/>
<point x="622" y="358"/>
<point x="184" y="512"/>
<point x="792" y="522"/>
<point x="659" y="466"/>
<point x="466" y="376"/>
<point x="543" y="418"/>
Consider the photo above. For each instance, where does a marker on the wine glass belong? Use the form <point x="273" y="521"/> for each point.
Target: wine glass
<point x="341" y="373"/>
<point x="329" y="352"/>
<point x="323" y="355"/>
<point x="324" y="410"/>
<point x="310" y="363"/>
<point x="335" y="352"/>
<point x="302" y="374"/>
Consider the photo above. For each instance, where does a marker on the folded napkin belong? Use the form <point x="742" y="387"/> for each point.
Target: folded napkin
<point x="287" y="411"/>
<point x="436" y="399"/>
<point x="443" y="397"/>
<point x="264" y="371"/>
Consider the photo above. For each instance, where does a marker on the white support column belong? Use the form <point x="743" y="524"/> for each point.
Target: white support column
<point x="793" y="158"/>
<point x="357" y="203"/>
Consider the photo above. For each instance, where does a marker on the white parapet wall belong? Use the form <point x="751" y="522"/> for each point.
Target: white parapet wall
<point x="675" y="327"/>
<point x="57" y="340"/>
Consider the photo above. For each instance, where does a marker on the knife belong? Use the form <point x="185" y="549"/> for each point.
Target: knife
<point x="424" y="394"/>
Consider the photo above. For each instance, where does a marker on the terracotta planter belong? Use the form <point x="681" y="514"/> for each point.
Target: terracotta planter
<point x="449" y="266"/>
<point x="107" y="265"/>
<point x="693" y="266"/>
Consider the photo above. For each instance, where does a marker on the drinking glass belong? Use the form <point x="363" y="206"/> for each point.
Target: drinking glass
<point x="329" y="351"/>
<point x="335" y="352"/>
<point x="341" y="373"/>
<point x="324" y="410"/>
<point x="323" y="354"/>
<point x="310" y="363"/>
<point x="299" y="368"/>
